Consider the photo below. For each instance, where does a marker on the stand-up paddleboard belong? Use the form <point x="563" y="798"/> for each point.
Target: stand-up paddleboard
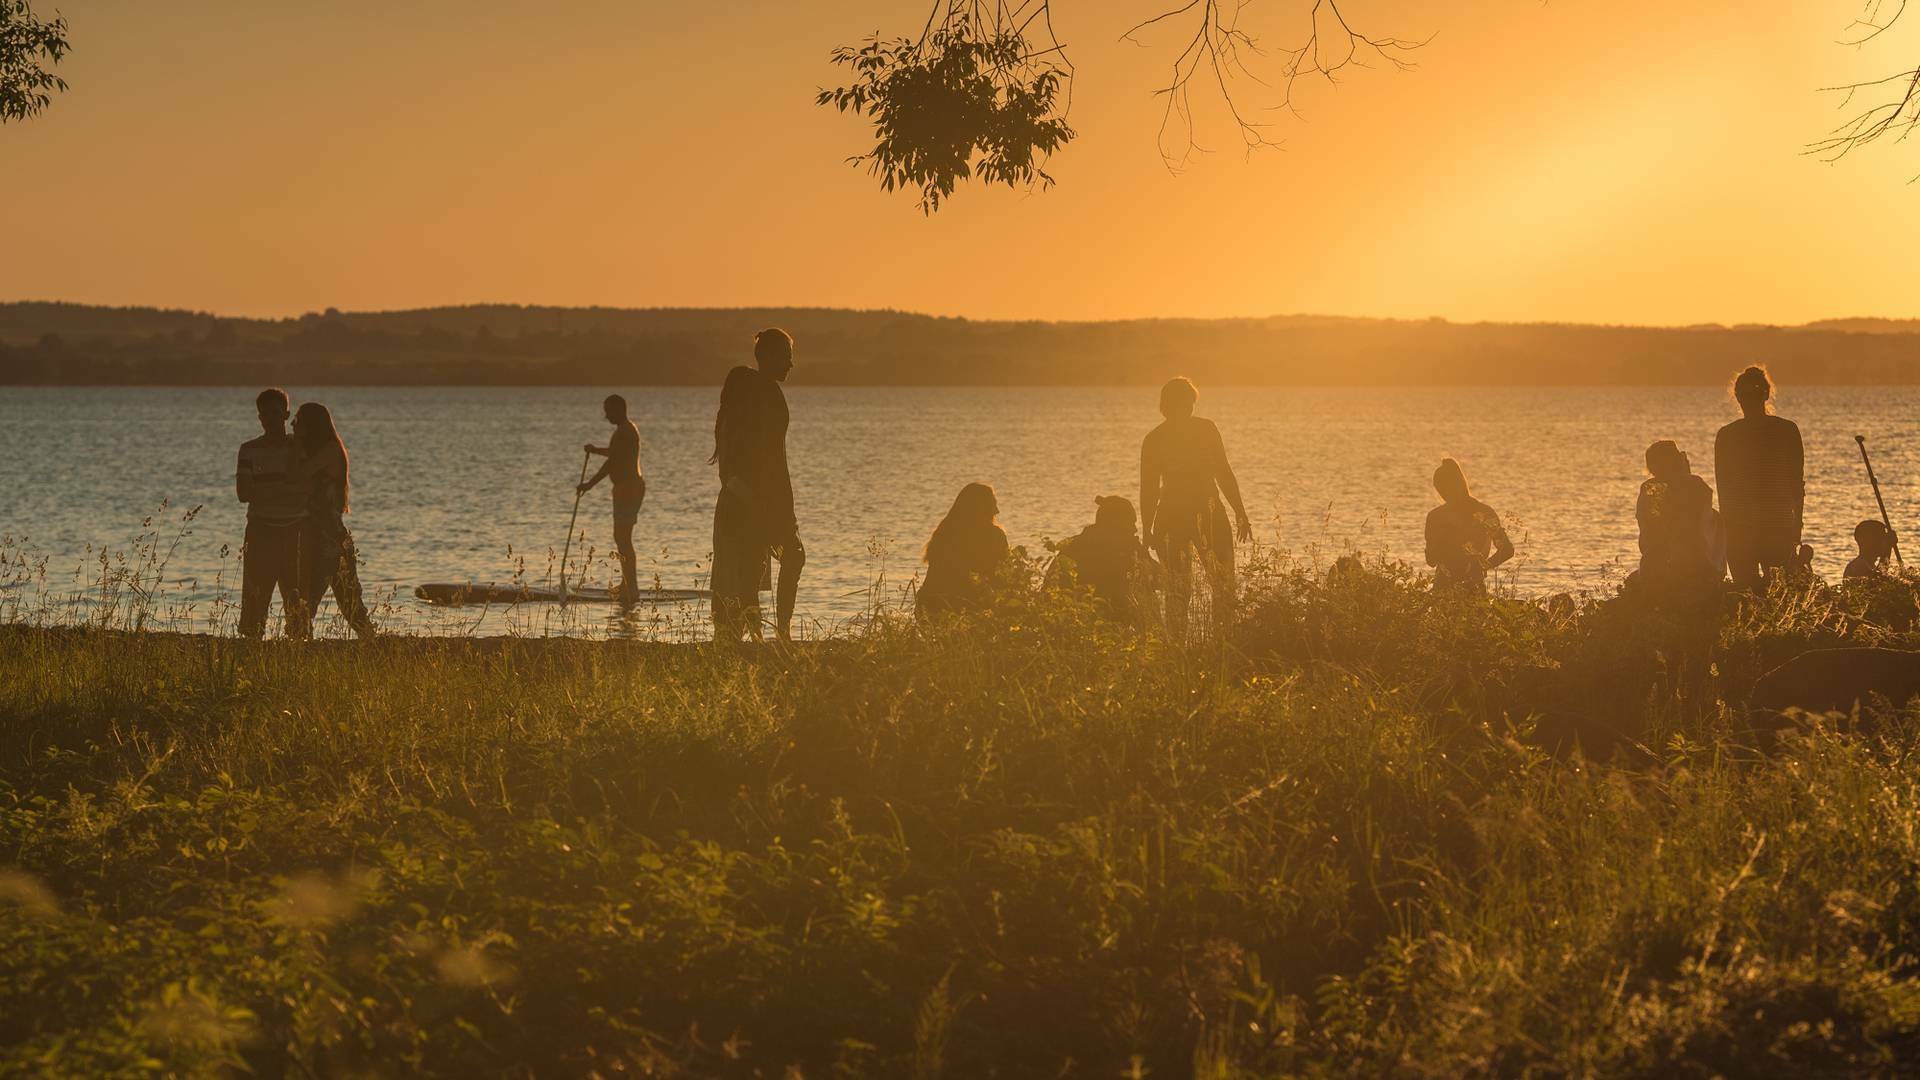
<point x="472" y="592"/>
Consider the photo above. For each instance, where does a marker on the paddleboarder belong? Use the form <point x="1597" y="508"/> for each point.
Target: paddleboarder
<point x="753" y="518"/>
<point x="629" y="487"/>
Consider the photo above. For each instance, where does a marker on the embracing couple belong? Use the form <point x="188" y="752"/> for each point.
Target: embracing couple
<point x="295" y="487"/>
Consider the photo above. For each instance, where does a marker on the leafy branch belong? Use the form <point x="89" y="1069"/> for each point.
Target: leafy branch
<point x="982" y="93"/>
<point x="29" y="46"/>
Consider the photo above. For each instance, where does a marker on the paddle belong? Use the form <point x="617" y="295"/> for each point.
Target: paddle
<point x="567" y="549"/>
<point x="1871" y="479"/>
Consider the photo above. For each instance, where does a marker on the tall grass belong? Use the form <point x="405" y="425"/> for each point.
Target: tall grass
<point x="1372" y="831"/>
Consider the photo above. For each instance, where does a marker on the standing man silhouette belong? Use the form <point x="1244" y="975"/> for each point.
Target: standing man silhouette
<point x="753" y="519"/>
<point x="1183" y="472"/>
<point x="1759" y="465"/>
<point x="266" y="478"/>
<point x="629" y="487"/>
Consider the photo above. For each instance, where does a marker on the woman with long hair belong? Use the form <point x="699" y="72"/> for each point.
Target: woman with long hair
<point x="327" y="554"/>
<point x="964" y="555"/>
<point x="741" y="557"/>
<point x="1465" y="539"/>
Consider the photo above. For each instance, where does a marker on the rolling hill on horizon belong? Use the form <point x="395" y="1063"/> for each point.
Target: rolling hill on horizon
<point x="52" y="343"/>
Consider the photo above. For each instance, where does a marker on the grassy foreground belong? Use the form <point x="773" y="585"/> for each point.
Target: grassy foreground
<point x="1355" y="840"/>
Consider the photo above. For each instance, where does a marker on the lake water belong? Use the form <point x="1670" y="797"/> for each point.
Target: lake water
<point x="454" y="484"/>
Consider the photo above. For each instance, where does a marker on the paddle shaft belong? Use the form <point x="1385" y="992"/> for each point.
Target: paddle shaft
<point x="1884" y="519"/>
<point x="569" y="546"/>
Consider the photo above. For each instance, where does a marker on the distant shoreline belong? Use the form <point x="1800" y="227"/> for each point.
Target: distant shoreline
<point x="56" y="344"/>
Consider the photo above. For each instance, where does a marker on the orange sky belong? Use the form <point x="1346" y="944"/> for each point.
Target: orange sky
<point x="1587" y="160"/>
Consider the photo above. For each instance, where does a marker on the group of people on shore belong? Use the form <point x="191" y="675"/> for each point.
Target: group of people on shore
<point x="296" y="485"/>
<point x="1687" y="545"/>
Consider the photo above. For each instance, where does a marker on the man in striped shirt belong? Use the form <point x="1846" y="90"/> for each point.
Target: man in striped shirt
<point x="267" y="480"/>
<point x="1760" y="467"/>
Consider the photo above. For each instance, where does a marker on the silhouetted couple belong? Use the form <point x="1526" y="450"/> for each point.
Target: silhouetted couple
<point x="753" y="518"/>
<point x="296" y="486"/>
<point x="629" y="487"/>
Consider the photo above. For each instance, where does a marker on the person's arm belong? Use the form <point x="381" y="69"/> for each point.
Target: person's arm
<point x="1502" y="544"/>
<point x="1642" y="511"/>
<point x="1433" y="539"/>
<point x="1799" y="459"/>
<point x="1149" y="487"/>
<point x="597" y="477"/>
<point x="1230" y="486"/>
<point x="243" y="477"/>
<point x="1726" y="471"/>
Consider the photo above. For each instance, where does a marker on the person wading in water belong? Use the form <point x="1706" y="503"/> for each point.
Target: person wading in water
<point x="1464" y="536"/>
<point x="753" y="519"/>
<point x="1183" y="472"/>
<point x="326" y="547"/>
<point x="1759" y="465"/>
<point x="267" y="480"/>
<point x="629" y="488"/>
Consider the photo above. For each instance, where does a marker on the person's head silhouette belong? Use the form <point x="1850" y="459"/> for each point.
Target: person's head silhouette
<point x="1116" y="512"/>
<point x="1666" y="461"/>
<point x="773" y="353"/>
<point x="1753" y="389"/>
<point x="313" y="428"/>
<point x="1874" y="540"/>
<point x="1177" y="398"/>
<point x="1450" y="480"/>
<point x="975" y="505"/>
<point x="615" y="408"/>
<point x="273" y="405"/>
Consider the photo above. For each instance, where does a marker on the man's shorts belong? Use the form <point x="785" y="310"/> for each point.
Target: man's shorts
<point x="626" y="505"/>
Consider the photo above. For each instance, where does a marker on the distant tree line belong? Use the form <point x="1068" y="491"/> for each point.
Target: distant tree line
<point x="501" y="345"/>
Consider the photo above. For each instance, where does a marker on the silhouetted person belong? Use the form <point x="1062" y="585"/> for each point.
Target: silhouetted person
<point x="1875" y="542"/>
<point x="629" y="487"/>
<point x="266" y="478"/>
<point x="1681" y="549"/>
<point x="1464" y="536"/>
<point x="964" y="556"/>
<point x="1759" y="466"/>
<point x="753" y="519"/>
<point x="1108" y="559"/>
<point x="326" y="547"/>
<point x="1183" y="472"/>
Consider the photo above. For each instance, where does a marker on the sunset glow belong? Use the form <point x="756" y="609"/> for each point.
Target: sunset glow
<point x="1618" y="162"/>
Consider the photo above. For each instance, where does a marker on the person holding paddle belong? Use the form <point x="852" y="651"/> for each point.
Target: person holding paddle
<point x="629" y="487"/>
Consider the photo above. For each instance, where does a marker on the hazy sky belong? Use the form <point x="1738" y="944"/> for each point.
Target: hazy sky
<point x="1590" y="160"/>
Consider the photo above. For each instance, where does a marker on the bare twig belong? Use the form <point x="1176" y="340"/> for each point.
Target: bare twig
<point x="1218" y="46"/>
<point x="1898" y="116"/>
